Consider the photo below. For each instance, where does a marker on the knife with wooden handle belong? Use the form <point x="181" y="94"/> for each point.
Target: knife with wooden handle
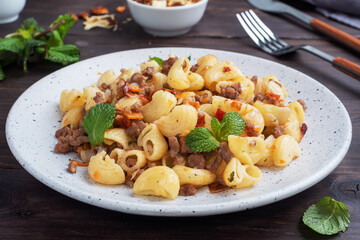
<point x="333" y="32"/>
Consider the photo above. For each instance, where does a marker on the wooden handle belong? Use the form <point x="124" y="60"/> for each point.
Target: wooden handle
<point x="347" y="67"/>
<point x="336" y="33"/>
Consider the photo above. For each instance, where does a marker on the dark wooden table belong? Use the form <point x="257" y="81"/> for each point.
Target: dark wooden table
<point x="31" y="210"/>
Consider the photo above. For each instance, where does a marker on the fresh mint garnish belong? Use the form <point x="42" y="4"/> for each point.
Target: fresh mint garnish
<point x="97" y="121"/>
<point x="327" y="216"/>
<point x="157" y="59"/>
<point x="216" y="127"/>
<point x="234" y="124"/>
<point x="203" y="140"/>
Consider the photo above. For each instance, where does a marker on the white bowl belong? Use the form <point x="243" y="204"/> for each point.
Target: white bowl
<point x="167" y="21"/>
<point x="10" y="9"/>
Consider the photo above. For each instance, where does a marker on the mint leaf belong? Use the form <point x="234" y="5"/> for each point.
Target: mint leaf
<point x="40" y="50"/>
<point x="63" y="54"/>
<point x="157" y="59"/>
<point x="201" y="140"/>
<point x="30" y="44"/>
<point x="234" y="124"/>
<point x="189" y="57"/>
<point x="55" y="39"/>
<point x="327" y="216"/>
<point x="97" y="121"/>
<point x="31" y="22"/>
<point x="12" y="44"/>
<point x="216" y="127"/>
<point x="64" y="28"/>
<point x="26" y="33"/>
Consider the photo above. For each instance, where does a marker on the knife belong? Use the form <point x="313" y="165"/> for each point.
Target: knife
<point x="274" y="6"/>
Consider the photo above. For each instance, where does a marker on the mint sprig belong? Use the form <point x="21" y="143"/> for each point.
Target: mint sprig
<point x="327" y="216"/>
<point x="203" y="140"/>
<point x="234" y="124"/>
<point x="157" y="59"/>
<point x="97" y="121"/>
<point x="216" y="127"/>
<point x="32" y="43"/>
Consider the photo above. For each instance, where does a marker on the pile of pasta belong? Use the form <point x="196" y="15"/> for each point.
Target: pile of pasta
<point x="174" y="111"/>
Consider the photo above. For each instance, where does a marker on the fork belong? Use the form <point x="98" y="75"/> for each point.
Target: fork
<point x="272" y="44"/>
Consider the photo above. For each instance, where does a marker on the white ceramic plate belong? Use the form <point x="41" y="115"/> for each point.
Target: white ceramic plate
<point x="35" y="116"/>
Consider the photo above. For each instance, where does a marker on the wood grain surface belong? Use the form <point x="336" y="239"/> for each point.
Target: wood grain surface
<point x="31" y="210"/>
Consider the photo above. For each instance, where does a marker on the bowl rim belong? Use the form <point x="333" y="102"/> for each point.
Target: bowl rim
<point x="198" y="4"/>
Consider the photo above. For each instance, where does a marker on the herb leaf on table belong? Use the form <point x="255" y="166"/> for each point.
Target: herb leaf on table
<point x="63" y="54"/>
<point x="327" y="216"/>
<point x="31" y="40"/>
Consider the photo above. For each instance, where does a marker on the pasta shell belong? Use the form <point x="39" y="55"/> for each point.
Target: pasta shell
<point x="103" y="169"/>
<point x="180" y="119"/>
<point x="205" y="63"/>
<point x="107" y="77"/>
<point x="151" y="64"/>
<point x="161" y="104"/>
<point x="285" y="149"/>
<point x="224" y="71"/>
<point x="267" y="159"/>
<point x="72" y="118"/>
<point x="237" y="175"/>
<point x="197" y="177"/>
<point x="153" y="142"/>
<point x="71" y="99"/>
<point x="158" y="181"/>
<point x="253" y="146"/>
<point x="117" y="135"/>
<point x="273" y="115"/>
<point x="122" y="160"/>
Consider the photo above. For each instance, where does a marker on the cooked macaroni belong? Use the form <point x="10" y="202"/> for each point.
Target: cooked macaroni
<point x="158" y="105"/>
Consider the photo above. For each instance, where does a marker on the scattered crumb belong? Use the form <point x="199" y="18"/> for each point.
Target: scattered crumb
<point x="99" y="10"/>
<point x="120" y="9"/>
<point x="103" y="21"/>
<point x="83" y="15"/>
<point x="73" y="15"/>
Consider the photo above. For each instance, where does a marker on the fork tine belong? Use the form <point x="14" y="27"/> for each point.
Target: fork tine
<point x="271" y="42"/>
<point x="263" y="43"/>
<point x="257" y="26"/>
<point x="248" y="31"/>
<point x="265" y="29"/>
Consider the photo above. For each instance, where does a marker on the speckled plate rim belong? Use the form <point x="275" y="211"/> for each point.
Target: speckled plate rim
<point x="147" y="206"/>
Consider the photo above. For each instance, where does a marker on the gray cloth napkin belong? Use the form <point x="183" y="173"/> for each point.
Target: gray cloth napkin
<point x="345" y="11"/>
